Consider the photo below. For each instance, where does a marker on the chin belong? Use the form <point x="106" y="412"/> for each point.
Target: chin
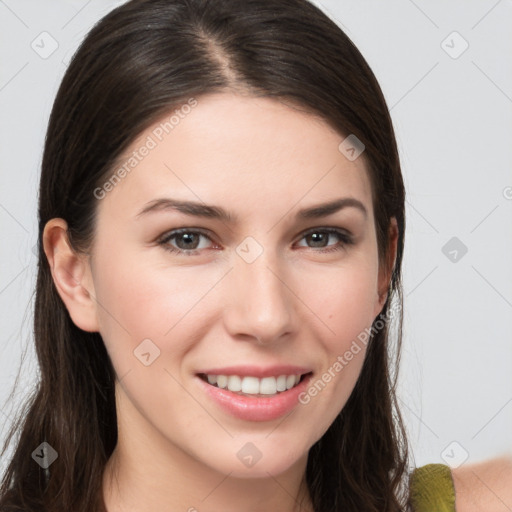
<point x="257" y="459"/>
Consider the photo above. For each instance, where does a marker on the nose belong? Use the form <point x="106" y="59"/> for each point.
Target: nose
<point x="261" y="304"/>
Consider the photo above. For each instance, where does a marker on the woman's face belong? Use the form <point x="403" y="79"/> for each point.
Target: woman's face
<point x="250" y="294"/>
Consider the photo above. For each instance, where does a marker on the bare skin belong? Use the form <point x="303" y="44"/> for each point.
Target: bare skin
<point x="294" y="304"/>
<point x="485" y="486"/>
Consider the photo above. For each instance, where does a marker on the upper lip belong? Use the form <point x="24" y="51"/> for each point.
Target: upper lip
<point x="257" y="371"/>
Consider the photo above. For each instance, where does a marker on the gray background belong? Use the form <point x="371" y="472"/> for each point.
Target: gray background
<point x="451" y="109"/>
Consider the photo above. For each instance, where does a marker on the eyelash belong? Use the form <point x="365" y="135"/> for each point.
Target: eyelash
<point x="345" y="238"/>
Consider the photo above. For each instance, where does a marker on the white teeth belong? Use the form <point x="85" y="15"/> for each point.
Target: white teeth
<point x="281" y="383"/>
<point x="234" y="383"/>
<point x="222" y="381"/>
<point x="253" y="385"/>
<point x="268" y="386"/>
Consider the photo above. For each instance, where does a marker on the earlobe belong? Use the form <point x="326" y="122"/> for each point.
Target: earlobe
<point x="71" y="275"/>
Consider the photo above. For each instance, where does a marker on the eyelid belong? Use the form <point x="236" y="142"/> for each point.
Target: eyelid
<point x="168" y="235"/>
<point x="345" y="239"/>
<point x="330" y="229"/>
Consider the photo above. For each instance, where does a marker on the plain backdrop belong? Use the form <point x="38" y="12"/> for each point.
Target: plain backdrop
<point x="446" y="72"/>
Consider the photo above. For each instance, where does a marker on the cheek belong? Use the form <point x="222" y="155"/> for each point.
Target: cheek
<point x="345" y="304"/>
<point x="141" y="299"/>
<point x="138" y="301"/>
<point x="344" y="299"/>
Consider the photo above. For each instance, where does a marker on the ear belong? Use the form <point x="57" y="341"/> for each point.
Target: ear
<point x="71" y="274"/>
<point x="386" y="270"/>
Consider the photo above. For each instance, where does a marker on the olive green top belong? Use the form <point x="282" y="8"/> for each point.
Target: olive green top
<point x="432" y="489"/>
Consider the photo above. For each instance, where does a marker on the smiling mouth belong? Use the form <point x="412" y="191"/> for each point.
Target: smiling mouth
<point x="254" y="386"/>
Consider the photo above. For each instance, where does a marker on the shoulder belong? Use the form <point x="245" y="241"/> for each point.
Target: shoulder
<point x="432" y="489"/>
<point x="485" y="485"/>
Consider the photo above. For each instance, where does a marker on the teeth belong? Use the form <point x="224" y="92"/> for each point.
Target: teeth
<point x="234" y="383"/>
<point x="281" y="383"/>
<point x="268" y="386"/>
<point x="222" y="381"/>
<point x="250" y="385"/>
<point x="253" y="385"/>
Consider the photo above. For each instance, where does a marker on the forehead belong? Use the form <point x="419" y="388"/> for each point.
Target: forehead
<point x="248" y="151"/>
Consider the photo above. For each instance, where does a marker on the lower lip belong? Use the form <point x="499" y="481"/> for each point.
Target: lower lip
<point x="256" y="408"/>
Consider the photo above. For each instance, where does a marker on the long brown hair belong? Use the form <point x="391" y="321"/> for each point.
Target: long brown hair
<point x="137" y="63"/>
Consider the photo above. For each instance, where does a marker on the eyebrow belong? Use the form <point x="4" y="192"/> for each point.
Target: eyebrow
<point x="216" y="212"/>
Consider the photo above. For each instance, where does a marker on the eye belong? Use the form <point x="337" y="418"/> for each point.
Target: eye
<point x="319" y="237"/>
<point x="187" y="241"/>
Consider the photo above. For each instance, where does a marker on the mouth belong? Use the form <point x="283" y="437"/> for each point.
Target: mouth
<point x="254" y="393"/>
<point x="252" y="386"/>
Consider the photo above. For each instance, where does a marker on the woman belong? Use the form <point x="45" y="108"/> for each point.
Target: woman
<point x="221" y="231"/>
